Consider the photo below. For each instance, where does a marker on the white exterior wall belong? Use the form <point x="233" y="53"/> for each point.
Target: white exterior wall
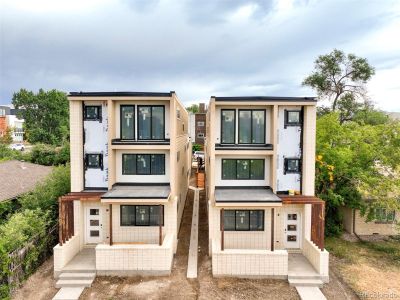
<point x="17" y="127"/>
<point x="63" y="254"/>
<point x="96" y="141"/>
<point x="218" y="171"/>
<point x="289" y="140"/>
<point x="318" y="259"/>
<point x="117" y="118"/>
<point x="217" y="122"/>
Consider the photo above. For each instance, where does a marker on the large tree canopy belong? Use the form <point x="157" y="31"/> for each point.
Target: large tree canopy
<point x="45" y="114"/>
<point x="338" y="77"/>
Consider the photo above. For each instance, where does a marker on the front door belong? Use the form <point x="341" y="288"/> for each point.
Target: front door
<point x="292" y="230"/>
<point x="93" y="225"/>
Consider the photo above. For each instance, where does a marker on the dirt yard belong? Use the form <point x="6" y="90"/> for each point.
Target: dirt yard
<point x="177" y="286"/>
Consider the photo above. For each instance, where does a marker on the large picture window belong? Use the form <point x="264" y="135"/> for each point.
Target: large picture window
<point x="228" y="126"/>
<point x="143" y="164"/>
<point x="250" y="169"/>
<point x="251" y="126"/>
<point x="127" y="122"/>
<point x="151" y="122"/>
<point x="141" y="215"/>
<point x="243" y="220"/>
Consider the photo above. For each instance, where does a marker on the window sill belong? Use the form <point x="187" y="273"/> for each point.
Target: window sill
<point x="244" y="147"/>
<point x="140" y="142"/>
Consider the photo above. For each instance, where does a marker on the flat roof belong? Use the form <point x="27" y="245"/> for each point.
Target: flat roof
<point x="245" y="194"/>
<point x="138" y="191"/>
<point x="120" y="94"/>
<point x="17" y="178"/>
<point x="266" y="98"/>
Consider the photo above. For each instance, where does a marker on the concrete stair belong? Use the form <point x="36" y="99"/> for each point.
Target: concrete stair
<point x="72" y="284"/>
<point x="310" y="282"/>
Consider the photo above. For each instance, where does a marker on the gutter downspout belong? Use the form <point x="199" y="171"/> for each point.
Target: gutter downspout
<point x="354" y="224"/>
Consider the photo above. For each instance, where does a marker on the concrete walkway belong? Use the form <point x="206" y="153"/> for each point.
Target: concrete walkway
<point x="193" y="248"/>
<point x="310" y="293"/>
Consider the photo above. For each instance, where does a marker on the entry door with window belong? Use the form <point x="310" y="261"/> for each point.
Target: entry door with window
<point x="93" y="225"/>
<point x="292" y="230"/>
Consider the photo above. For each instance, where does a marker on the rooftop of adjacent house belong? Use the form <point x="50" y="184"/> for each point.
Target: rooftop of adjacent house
<point x="266" y="98"/>
<point x="245" y="194"/>
<point x="17" y="178"/>
<point x="121" y="94"/>
<point x="138" y="191"/>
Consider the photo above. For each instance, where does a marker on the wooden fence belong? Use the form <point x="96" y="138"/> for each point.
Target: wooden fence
<point x="21" y="265"/>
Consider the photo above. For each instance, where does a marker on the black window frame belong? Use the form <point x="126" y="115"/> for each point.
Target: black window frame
<point x="234" y="126"/>
<point x="248" y="211"/>
<point x="287" y="123"/>
<point x="149" y="225"/>
<point x="151" y="122"/>
<point x="251" y="126"/>
<point x="236" y="159"/>
<point x="133" y="121"/>
<point x="101" y="163"/>
<point x="286" y="164"/>
<point x="136" y="157"/>
<point x="99" y="113"/>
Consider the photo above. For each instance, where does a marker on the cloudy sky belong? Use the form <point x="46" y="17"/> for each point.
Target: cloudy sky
<point x="197" y="48"/>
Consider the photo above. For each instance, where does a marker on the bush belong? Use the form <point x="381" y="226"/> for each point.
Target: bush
<point x="49" y="155"/>
<point x="196" y="147"/>
<point x="45" y="194"/>
<point x="7" y="154"/>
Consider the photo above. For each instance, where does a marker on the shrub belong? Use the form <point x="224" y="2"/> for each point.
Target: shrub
<point x="49" y="155"/>
<point x="196" y="147"/>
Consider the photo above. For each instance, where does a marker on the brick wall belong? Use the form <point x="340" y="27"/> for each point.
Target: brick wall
<point x="200" y="119"/>
<point x="3" y="125"/>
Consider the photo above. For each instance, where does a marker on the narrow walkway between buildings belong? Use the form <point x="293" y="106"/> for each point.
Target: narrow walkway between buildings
<point x="193" y="248"/>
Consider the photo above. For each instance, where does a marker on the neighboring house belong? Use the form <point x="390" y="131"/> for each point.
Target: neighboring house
<point x="130" y="169"/>
<point x="384" y="223"/>
<point x="264" y="219"/>
<point x="18" y="178"/>
<point x="197" y="125"/>
<point x="9" y="119"/>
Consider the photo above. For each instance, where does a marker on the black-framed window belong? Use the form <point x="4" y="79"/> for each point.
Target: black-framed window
<point x="293" y="118"/>
<point x="94" y="161"/>
<point x="127" y="122"/>
<point x="383" y="215"/>
<point x="141" y="215"/>
<point x="151" y="122"/>
<point x="292" y="165"/>
<point x="251" y="126"/>
<point x="92" y="113"/>
<point x="243" y="220"/>
<point x="250" y="169"/>
<point x="228" y="130"/>
<point x="143" y="164"/>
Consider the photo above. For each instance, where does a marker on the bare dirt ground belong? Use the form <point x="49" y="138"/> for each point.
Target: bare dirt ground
<point x="177" y="286"/>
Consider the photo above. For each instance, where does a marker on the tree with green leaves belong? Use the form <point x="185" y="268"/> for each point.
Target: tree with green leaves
<point x="194" y="108"/>
<point x="45" y="114"/>
<point x="341" y="79"/>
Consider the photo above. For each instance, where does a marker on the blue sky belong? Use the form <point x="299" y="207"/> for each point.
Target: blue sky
<point x="197" y="48"/>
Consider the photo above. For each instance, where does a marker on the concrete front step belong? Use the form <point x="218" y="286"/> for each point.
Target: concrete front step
<point x="316" y="276"/>
<point x="68" y="293"/>
<point x="306" y="282"/>
<point x="74" y="283"/>
<point x="310" y="293"/>
<point x="77" y="276"/>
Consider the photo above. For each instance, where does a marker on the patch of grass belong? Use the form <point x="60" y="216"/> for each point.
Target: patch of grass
<point x="390" y="248"/>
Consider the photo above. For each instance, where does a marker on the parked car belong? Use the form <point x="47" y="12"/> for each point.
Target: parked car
<point x="198" y="154"/>
<point x="18" y="147"/>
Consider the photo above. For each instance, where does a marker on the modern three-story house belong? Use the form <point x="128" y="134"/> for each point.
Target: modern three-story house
<point x="130" y="168"/>
<point x="264" y="219"/>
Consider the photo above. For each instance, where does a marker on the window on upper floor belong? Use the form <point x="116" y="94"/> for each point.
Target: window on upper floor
<point x="141" y="215"/>
<point x="127" y="122"/>
<point x="242" y="169"/>
<point x="251" y="126"/>
<point x="292" y="118"/>
<point x="94" y="161"/>
<point x="243" y="220"/>
<point x="200" y="135"/>
<point x="292" y="165"/>
<point x="200" y="124"/>
<point x="228" y="117"/>
<point x="92" y="113"/>
<point x="151" y="122"/>
<point x="143" y="164"/>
